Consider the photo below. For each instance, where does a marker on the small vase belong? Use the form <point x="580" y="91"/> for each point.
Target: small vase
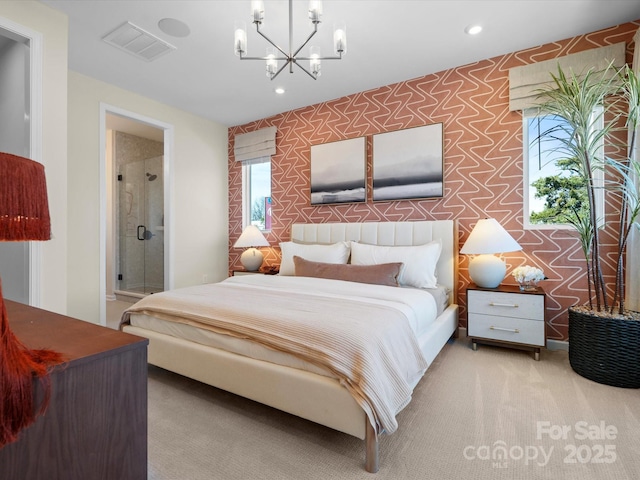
<point x="528" y="286"/>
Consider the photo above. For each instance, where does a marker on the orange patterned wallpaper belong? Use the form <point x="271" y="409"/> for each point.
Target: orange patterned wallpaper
<point x="483" y="164"/>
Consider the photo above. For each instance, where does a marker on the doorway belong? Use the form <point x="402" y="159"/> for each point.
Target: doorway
<point x="20" y="102"/>
<point x="136" y="244"/>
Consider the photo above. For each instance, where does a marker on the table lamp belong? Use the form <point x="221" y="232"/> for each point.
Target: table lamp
<point x="488" y="238"/>
<point x="251" y="258"/>
<point x="24" y="215"/>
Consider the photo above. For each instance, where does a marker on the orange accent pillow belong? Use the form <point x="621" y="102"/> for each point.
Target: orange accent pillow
<point x="381" y="274"/>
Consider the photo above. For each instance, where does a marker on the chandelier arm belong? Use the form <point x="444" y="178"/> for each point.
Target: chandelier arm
<point x="288" y="61"/>
<point x="320" y="58"/>
<point x="291" y="32"/>
<point x="243" y="57"/>
<point x="315" y="30"/>
<point x="271" y="42"/>
<point x="305" y="70"/>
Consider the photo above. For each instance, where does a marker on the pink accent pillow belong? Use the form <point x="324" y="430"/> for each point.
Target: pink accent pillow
<point x="381" y="274"/>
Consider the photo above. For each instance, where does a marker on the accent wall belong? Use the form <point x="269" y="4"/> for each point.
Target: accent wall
<point x="483" y="163"/>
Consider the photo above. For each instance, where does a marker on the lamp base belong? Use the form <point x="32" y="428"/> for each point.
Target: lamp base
<point x="251" y="259"/>
<point x="487" y="271"/>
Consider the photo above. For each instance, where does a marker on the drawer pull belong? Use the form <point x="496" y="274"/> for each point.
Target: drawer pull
<point x="512" y="305"/>
<point x="502" y="329"/>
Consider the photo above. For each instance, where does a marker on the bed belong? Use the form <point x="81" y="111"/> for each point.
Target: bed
<point x="302" y="384"/>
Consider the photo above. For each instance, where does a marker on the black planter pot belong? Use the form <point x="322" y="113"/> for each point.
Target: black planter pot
<point x="605" y="350"/>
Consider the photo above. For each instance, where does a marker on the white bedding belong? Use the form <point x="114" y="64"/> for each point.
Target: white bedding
<point x="420" y="315"/>
<point x="418" y="307"/>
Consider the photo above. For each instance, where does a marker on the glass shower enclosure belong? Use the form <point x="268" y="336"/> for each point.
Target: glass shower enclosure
<point x="141" y="227"/>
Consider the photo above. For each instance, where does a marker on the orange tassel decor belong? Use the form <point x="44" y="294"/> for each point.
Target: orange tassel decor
<point x="18" y="367"/>
<point x="24" y="215"/>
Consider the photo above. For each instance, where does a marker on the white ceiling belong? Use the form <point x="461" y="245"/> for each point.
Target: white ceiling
<point x="388" y="41"/>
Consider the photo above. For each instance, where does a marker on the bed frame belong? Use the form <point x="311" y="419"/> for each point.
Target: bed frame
<point x="315" y="397"/>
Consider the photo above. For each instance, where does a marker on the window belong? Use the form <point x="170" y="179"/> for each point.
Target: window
<point x="553" y="192"/>
<point x="256" y="199"/>
<point x="254" y="149"/>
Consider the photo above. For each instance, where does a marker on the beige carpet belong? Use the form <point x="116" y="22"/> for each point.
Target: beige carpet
<point x="467" y="406"/>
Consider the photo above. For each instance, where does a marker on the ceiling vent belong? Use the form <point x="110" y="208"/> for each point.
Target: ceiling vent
<point x="134" y="40"/>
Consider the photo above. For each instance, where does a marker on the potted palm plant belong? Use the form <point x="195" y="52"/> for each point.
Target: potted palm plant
<point x="604" y="337"/>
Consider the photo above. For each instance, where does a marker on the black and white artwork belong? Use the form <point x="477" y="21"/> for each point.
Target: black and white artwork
<point x="338" y="172"/>
<point x="408" y="164"/>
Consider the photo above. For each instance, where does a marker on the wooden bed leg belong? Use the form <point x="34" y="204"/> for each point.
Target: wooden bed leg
<point x="371" y="464"/>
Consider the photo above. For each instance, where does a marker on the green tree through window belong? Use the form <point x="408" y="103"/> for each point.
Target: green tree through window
<point x="556" y="190"/>
<point x="564" y="196"/>
<point x="257" y="188"/>
<point x="257" y="213"/>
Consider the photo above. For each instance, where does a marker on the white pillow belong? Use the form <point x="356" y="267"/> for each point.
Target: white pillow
<point x="419" y="261"/>
<point x="334" y="253"/>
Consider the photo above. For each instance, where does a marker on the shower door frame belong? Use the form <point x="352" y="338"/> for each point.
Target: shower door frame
<point x="107" y="184"/>
<point x="139" y="257"/>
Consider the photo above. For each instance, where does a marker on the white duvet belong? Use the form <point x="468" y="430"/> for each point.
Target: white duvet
<point x="339" y="311"/>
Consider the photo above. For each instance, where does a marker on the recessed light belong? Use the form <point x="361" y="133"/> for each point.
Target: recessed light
<point x="473" y="29"/>
<point x="279" y="90"/>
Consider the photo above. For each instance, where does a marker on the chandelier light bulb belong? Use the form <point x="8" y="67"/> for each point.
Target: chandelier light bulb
<point x="314" y="61"/>
<point x="315" y="11"/>
<point x="340" y="39"/>
<point x="240" y="38"/>
<point x="257" y="9"/>
<point x="272" y="63"/>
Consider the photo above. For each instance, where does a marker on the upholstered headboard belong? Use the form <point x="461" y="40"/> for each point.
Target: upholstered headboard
<point x="391" y="234"/>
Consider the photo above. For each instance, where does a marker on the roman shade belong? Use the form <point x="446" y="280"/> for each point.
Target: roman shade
<point x="526" y="81"/>
<point x="256" y="146"/>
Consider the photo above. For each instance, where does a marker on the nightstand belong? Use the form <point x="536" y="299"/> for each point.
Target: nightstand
<point x="236" y="273"/>
<point x="267" y="271"/>
<point x="506" y="316"/>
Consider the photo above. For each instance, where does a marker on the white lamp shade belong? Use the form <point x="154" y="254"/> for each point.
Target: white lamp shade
<point x="251" y="237"/>
<point x="488" y="237"/>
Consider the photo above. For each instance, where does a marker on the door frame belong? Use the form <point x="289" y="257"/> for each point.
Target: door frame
<point x="167" y="172"/>
<point x="34" y="39"/>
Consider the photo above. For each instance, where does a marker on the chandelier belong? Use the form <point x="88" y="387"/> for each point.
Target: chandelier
<point x="276" y="54"/>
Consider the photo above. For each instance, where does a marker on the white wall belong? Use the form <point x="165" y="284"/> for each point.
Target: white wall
<point x="70" y="280"/>
<point x="199" y="196"/>
<point x="53" y="26"/>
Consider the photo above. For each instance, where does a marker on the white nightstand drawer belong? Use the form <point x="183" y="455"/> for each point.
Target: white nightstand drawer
<point x="237" y="273"/>
<point x="504" y="304"/>
<point x="507" y="329"/>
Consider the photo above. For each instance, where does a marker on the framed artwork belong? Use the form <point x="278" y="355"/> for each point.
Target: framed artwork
<point x="338" y="172"/>
<point x="408" y="164"/>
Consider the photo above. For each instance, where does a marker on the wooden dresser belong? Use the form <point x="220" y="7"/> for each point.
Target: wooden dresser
<point x="96" y="424"/>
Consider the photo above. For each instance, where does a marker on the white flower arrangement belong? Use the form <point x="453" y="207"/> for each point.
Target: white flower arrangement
<point x="527" y="274"/>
